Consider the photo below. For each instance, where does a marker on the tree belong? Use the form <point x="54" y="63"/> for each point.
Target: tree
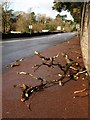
<point x="85" y="35"/>
<point x="6" y="16"/>
<point x="75" y="9"/>
<point x="51" y="25"/>
<point x="58" y="20"/>
<point x="81" y="14"/>
<point x="13" y="21"/>
<point x="63" y="17"/>
<point x="42" y="18"/>
<point x="38" y="27"/>
<point x="33" y="17"/>
<point x="22" y="23"/>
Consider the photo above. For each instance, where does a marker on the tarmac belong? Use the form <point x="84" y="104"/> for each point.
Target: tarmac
<point x="53" y="102"/>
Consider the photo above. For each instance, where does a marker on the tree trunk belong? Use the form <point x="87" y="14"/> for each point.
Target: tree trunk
<point x="85" y="35"/>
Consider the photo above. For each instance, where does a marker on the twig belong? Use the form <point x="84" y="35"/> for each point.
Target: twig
<point x="13" y="65"/>
<point x="79" y="91"/>
<point x="86" y="94"/>
<point x="81" y="72"/>
<point x="27" y="73"/>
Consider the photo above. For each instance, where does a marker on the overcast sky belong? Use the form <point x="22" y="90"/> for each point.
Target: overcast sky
<point x="37" y="6"/>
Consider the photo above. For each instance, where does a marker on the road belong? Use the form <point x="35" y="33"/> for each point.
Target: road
<point x="18" y="48"/>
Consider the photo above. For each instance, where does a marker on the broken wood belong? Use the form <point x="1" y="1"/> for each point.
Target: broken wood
<point x="13" y="65"/>
<point x="79" y="91"/>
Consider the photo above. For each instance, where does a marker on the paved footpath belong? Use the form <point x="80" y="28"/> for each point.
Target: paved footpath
<point x="53" y="102"/>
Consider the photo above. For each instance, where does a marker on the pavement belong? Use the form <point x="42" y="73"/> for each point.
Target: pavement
<point x="53" y="102"/>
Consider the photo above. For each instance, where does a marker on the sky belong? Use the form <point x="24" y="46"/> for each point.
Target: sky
<point x="37" y="6"/>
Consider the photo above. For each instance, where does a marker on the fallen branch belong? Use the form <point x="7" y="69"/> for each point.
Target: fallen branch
<point x="13" y="65"/>
<point x="71" y="69"/>
<point x="16" y="63"/>
<point x="71" y="66"/>
<point x="28" y="90"/>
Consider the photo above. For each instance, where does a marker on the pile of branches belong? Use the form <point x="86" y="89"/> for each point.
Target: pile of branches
<point x="71" y="69"/>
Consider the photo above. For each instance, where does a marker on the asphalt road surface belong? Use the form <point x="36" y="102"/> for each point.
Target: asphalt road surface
<point x="14" y="49"/>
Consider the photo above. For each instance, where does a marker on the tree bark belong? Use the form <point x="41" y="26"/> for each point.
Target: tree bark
<point x="85" y="33"/>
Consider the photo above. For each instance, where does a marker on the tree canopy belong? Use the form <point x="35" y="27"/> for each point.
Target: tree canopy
<point x="19" y="21"/>
<point x="75" y="9"/>
<point x="7" y="16"/>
